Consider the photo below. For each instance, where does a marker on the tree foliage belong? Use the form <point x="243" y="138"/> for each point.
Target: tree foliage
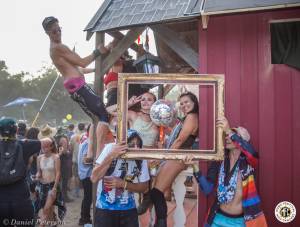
<point x="58" y="105"/>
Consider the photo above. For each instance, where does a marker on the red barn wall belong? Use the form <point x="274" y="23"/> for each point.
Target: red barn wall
<point x="260" y="96"/>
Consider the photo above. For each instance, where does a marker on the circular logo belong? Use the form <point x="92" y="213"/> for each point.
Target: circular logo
<point x="285" y="212"/>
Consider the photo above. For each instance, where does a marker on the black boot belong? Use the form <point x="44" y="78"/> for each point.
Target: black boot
<point x="146" y="203"/>
<point x="161" y="208"/>
<point x="161" y="222"/>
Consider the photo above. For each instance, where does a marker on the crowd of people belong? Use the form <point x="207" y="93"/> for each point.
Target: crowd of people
<point x="38" y="164"/>
<point x="51" y="170"/>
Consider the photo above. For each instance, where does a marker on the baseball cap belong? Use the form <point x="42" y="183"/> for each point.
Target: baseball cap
<point x="48" y="21"/>
<point x="8" y="126"/>
<point x="242" y="132"/>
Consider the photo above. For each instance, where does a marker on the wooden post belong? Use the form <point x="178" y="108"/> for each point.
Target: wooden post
<point x="99" y="89"/>
<point x="98" y="82"/>
<point x="160" y="92"/>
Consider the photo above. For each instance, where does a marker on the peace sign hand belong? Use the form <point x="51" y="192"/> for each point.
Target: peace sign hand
<point x="134" y="100"/>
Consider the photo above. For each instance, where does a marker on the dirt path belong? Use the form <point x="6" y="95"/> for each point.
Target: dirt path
<point x="73" y="211"/>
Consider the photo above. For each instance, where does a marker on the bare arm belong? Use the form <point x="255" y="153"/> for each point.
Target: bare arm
<point x="72" y="57"/>
<point x="89" y="155"/>
<point x="71" y="144"/>
<point x="116" y="182"/>
<point x="100" y="169"/>
<point x="190" y="122"/>
<point x="57" y="171"/>
<point x="132" y="114"/>
<point x="137" y="187"/>
<point x="38" y="173"/>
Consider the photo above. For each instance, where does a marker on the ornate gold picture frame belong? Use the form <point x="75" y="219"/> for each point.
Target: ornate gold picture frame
<point x="215" y="81"/>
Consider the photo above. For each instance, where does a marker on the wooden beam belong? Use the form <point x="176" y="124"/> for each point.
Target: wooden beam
<point x="204" y="19"/>
<point x="98" y="81"/>
<point x="121" y="47"/>
<point x="168" y="88"/>
<point x="172" y="39"/>
<point x="285" y="20"/>
<point x="118" y="35"/>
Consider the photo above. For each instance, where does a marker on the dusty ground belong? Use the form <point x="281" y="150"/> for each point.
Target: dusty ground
<point x="73" y="211"/>
<point x="190" y="206"/>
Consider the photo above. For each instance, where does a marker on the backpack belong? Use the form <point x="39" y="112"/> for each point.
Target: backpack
<point x="12" y="163"/>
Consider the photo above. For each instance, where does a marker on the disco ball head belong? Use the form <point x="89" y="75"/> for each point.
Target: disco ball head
<point x="162" y="113"/>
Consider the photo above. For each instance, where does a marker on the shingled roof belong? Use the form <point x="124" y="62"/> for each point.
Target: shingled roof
<point x="211" y="7"/>
<point x="123" y="14"/>
<point x="118" y="14"/>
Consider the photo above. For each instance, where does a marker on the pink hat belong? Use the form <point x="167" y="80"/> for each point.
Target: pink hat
<point x="242" y="132"/>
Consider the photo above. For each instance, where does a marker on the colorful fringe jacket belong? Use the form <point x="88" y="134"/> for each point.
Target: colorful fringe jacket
<point x="253" y="214"/>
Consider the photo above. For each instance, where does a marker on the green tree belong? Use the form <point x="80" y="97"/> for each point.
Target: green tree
<point x="57" y="106"/>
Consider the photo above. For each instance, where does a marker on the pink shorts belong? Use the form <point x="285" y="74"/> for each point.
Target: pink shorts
<point x="74" y="84"/>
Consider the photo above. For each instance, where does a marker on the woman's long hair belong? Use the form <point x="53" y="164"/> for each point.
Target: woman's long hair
<point x="32" y="133"/>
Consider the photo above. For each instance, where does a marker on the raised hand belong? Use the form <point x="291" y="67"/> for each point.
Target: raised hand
<point x="134" y="100"/>
<point x="188" y="160"/>
<point x="102" y="49"/>
<point x="223" y="123"/>
<point x="118" y="150"/>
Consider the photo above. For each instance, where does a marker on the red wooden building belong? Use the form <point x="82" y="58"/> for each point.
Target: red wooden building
<point x="233" y="38"/>
<point x="259" y="95"/>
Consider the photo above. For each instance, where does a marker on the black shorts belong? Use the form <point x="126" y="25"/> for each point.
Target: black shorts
<point x="116" y="218"/>
<point x="112" y="97"/>
<point x="90" y="103"/>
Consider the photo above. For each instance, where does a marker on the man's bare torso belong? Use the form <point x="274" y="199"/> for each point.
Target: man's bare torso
<point x="67" y="69"/>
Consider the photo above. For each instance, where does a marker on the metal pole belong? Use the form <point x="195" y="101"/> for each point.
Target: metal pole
<point x="49" y="92"/>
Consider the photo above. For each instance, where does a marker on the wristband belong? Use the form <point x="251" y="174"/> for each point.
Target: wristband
<point x="125" y="185"/>
<point x="195" y="168"/>
<point x="96" y="53"/>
